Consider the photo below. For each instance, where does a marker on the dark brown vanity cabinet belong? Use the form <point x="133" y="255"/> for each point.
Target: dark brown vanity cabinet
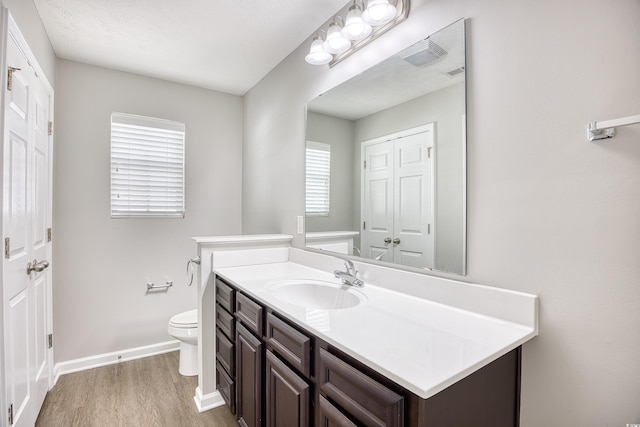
<point x="287" y="395"/>
<point x="249" y="378"/>
<point x="285" y="376"/>
<point x="364" y="399"/>
<point x="225" y="343"/>
<point x="268" y="382"/>
<point x="249" y="362"/>
<point x="330" y="416"/>
<point x="288" y="371"/>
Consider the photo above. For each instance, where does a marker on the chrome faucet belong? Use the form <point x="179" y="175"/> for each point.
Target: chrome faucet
<point x="349" y="277"/>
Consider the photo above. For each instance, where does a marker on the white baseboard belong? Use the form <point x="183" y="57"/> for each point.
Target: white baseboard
<point x="91" y="362"/>
<point x="209" y="401"/>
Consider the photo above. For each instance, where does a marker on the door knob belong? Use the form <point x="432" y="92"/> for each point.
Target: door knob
<point x="37" y="266"/>
<point x="387" y="240"/>
<point x="396" y="241"/>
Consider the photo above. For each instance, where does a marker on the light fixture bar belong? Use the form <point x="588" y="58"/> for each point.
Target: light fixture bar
<point x="363" y="22"/>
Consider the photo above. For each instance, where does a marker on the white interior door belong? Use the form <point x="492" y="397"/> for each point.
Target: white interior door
<point x="397" y="198"/>
<point x="377" y="207"/>
<point x="26" y="218"/>
<point x="413" y="206"/>
<point x="40" y="244"/>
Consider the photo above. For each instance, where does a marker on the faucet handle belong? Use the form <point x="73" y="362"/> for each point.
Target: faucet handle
<point x="350" y="268"/>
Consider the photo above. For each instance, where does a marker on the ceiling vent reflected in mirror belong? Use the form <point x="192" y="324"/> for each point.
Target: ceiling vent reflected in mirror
<point x="423" y="53"/>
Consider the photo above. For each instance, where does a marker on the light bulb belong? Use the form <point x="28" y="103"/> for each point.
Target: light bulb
<point x="354" y="27"/>
<point x="378" y="12"/>
<point x="336" y="42"/>
<point x="317" y="55"/>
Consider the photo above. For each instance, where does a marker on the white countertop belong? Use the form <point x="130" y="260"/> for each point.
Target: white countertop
<point x="422" y="345"/>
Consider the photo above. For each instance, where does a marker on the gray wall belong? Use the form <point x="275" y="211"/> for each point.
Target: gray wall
<point x="548" y="212"/>
<point x="101" y="264"/>
<point x="338" y="133"/>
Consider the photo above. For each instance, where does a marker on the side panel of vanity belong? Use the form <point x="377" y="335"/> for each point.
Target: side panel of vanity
<point x="215" y="383"/>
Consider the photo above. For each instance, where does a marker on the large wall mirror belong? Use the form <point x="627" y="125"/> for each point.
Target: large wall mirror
<point x="386" y="160"/>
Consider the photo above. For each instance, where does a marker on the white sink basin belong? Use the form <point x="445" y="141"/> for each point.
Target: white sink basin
<point x="316" y="294"/>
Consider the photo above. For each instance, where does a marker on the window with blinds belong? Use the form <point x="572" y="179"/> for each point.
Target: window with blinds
<point x="318" y="183"/>
<point x="147" y="167"/>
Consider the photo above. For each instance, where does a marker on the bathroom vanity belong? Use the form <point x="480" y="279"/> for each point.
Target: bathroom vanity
<point x="418" y="351"/>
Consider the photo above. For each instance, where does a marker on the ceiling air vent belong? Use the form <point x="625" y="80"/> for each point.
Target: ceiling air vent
<point x="455" y="72"/>
<point x="422" y="53"/>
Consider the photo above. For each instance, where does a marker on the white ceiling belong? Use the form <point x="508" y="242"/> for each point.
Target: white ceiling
<point x="224" y="45"/>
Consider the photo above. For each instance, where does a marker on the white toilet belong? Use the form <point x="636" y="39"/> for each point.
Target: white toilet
<point x="184" y="327"/>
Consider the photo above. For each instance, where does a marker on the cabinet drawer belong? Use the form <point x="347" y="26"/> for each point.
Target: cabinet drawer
<point x="329" y="415"/>
<point x="225" y="352"/>
<point x="226" y="387"/>
<point x="225" y="322"/>
<point x="291" y="344"/>
<point x="365" y="399"/>
<point x="225" y="295"/>
<point x="249" y="313"/>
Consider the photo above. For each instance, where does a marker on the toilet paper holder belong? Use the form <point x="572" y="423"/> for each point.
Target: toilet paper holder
<point x="151" y="285"/>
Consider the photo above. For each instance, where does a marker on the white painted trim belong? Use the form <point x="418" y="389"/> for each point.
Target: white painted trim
<point x="243" y="239"/>
<point x="106" y="359"/>
<point x="209" y="401"/>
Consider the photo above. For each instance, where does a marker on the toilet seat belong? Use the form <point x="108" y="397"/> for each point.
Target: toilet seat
<point x="188" y="319"/>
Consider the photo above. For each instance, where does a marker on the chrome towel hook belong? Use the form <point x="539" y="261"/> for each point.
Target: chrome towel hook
<point x="190" y="263"/>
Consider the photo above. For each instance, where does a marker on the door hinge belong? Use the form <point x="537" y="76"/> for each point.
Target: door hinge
<point x="10" y="72"/>
<point x="7" y="247"/>
<point x="50" y="340"/>
<point x="49" y="234"/>
<point x="11" y="414"/>
<point x="50" y="129"/>
<point x="428" y="228"/>
<point x="429" y="152"/>
<point x="365" y="164"/>
<point x="364" y="225"/>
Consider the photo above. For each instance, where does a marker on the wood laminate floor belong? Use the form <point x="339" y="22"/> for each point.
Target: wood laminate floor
<point x="139" y="393"/>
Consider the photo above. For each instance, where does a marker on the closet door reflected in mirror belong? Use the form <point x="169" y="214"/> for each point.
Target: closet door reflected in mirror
<point x="397" y="198"/>
<point x="408" y="205"/>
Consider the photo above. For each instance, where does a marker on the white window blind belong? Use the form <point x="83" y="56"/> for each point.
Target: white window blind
<point x="147" y="167"/>
<point x="318" y="183"/>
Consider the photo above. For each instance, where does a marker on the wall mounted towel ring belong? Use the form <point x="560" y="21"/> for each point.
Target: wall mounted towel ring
<point x="190" y="263"/>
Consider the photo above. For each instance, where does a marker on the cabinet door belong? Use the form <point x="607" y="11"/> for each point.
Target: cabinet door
<point x="287" y="395"/>
<point x="248" y="378"/>
<point x="330" y="416"/>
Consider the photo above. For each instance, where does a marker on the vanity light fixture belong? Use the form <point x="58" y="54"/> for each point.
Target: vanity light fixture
<point x="317" y="55"/>
<point x="336" y="42"/>
<point x="361" y="25"/>
<point x="379" y="12"/>
<point x="354" y="27"/>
